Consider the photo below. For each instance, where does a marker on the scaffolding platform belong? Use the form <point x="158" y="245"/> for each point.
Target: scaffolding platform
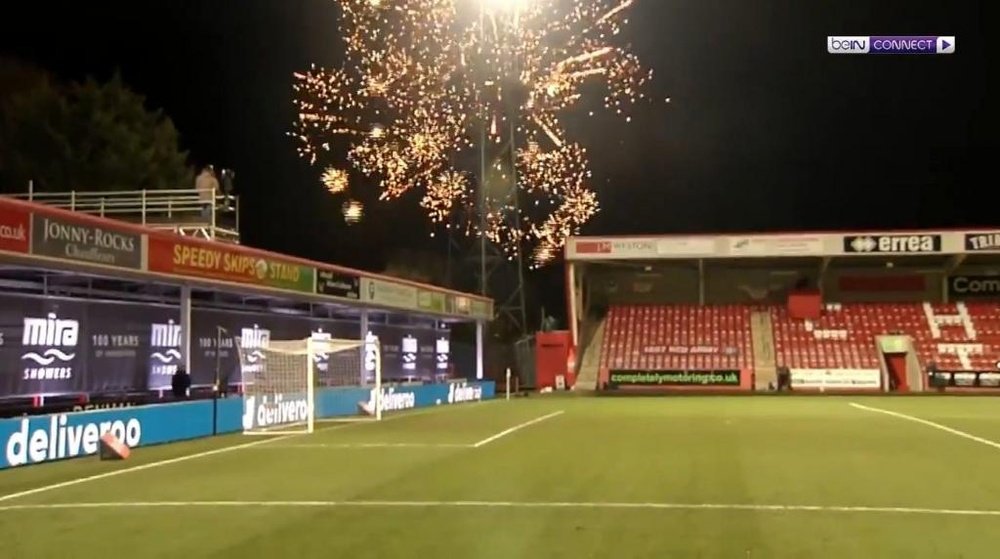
<point x="182" y="211"/>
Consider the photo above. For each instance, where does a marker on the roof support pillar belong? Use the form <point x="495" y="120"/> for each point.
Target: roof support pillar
<point x="479" y="350"/>
<point x="953" y="263"/>
<point x="821" y="280"/>
<point x="364" y="345"/>
<point x="572" y="300"/>
<point x="186" y="329"/>
<point x="701" y="281"/>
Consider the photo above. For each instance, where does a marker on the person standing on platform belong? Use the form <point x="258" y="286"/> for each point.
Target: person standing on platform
<point x="207" y="186"/>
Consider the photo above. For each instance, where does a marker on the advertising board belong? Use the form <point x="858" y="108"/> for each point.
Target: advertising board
<point x="666" y="378"/>
<point x="218" y="261"/>
<point x="834" y="379"/>
<point x="70" y="346"/>
<point x="39" y="439"/>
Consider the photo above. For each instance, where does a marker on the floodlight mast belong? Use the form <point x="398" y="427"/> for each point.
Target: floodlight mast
<point x="500" y="276"/>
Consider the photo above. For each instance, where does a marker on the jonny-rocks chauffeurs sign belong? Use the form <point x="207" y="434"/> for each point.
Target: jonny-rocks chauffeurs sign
<point x="84" y="242"/>
<point x="892" y="244"/>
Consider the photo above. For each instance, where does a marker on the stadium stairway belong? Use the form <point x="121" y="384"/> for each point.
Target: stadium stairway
<point x="586" y="378"/>
<point x="762" y="340"/>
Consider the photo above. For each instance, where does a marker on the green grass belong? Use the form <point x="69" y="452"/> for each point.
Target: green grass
<point x="459" y="501"/>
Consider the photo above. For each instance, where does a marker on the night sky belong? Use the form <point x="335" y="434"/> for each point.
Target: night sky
<point x="764" y="131"/>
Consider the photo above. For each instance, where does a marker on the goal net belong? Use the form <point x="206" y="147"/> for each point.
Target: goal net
<point x="280" y="379"/>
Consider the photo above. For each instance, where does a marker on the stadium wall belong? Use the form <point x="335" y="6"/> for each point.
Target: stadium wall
<point x="45" y="438"/>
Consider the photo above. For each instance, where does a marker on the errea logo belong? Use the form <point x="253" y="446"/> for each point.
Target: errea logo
<point x="892" y="244"/>
<point x="864" y="244"/>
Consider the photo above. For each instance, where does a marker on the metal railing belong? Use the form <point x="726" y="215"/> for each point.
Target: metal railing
<point x="183" y="211"/>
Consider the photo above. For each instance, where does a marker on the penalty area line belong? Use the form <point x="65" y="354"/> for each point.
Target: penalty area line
<point x="213" y="452"/>
<point x="139" y="468"/>
<point x="516" y="428"/>
<point x="184" y="458"/>
<point x="750" y="507"/>
<point x="371" y="445"/>
<point x="928" y="423"/>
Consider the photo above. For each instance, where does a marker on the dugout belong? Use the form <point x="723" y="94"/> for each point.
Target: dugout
<point x="100" y="312"/>
<point x="936" y="292"/>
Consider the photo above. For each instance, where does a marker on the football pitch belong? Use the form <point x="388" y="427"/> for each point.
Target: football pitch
<point x="573" y="477"/>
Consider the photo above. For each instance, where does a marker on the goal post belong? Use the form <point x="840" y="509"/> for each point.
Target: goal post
<point x="281" y="377"/>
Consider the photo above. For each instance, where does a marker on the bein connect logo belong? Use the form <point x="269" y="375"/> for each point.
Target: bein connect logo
<point x="857" y="44"/>
<point x="54" y="341"/>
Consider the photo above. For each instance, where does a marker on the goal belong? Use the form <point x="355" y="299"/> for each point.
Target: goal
<point x="280" y="378"/>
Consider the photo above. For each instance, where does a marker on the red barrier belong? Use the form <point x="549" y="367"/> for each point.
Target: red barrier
<point x="553" y="354"/>
<point x="805" y="304"/>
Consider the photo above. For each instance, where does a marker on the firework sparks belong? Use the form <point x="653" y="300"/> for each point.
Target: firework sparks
<point x="427" y="81"/>
<point x="335" y="180"/>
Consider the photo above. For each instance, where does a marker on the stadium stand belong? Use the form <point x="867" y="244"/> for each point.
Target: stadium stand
<point x="906" y="311"/>
<point x="956" y="336"/>
<point x="666" y="337"/>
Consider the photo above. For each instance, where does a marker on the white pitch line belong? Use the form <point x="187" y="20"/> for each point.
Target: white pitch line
<point x="141" y="467"/>
<point x="372" y="445"/>
<point x="938" y="426"/>
<point x="506" y="432"/>
<point x="138" y="468"/>
<point x="252" y="505"/>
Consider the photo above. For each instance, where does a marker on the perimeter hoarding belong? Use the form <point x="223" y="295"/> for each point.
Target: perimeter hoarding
<point x="83" y="241"/>
<point x="46" y="438"/>
<point x="177" y="256"/>
<point x="668" y="378"/>
<point x="56" y="235"/>
<point x="58" y="346"/>
<point x="15" y="230"/>
<point x="389" y="294"/>
<point x="72" y="346"/>
<point x="338" y="284"/>
<point x="974" y="286"/>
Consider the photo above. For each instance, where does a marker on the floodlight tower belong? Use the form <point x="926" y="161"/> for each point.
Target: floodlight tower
<point x="500" y="275"/>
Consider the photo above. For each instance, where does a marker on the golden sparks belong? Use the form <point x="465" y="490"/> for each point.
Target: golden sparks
<point x="353" y="211"/>
<point x="335" y="180"/>
<point x="427" y="81"/>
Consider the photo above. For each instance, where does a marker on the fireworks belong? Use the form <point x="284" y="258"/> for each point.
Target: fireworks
<point x="427" y="84"/>
<point x="353" y="211"/>
<point x="335" y="180"/>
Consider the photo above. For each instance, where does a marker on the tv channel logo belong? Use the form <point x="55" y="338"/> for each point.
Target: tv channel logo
<point x="848" y="45"/>
<point x="933" y="44"/>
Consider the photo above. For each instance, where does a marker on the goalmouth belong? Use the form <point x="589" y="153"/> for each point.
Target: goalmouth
<point x="280" y="378"/>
